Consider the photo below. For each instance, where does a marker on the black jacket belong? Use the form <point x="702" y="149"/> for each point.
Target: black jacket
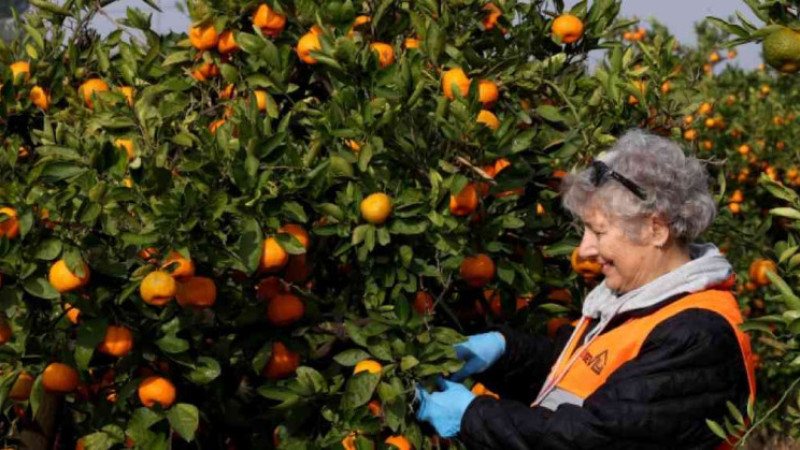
<point x="687" y="369"/>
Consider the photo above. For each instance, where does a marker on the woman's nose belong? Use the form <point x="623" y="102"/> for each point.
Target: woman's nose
<point x="588" y="246"/>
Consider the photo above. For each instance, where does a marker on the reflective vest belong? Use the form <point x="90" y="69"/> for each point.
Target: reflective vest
<point x="610" y="350"/>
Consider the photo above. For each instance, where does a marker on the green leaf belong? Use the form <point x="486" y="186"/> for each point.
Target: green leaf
<point x="205" y="371"/>
<point x="171" y="343"/>
<point x="250" y="244"/>
<point x="550" y="114"/>
<point x="184" y="419"/>
<point x="717" y="429"/>
<point x="99" y="441"/>
<point x="90" y="334"/>
<point x="785" y="212"/>
<point x="359" y="390"/>
<point x="37" y="395"/>
<point x="40" y="287"/>
<point x="351" y="357"/>
<point x="792" y="301"/>
<point x="312" y="380"/>
<point x="47" y="250"/>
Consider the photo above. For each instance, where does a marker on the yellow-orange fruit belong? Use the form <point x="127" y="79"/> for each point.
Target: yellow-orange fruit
<point x="158" y="288"/>
<point x="159" y="390"/>
<point x="477" y="270"/>
<point x="203" y="37"/>
<point x="59" y="378"/>
<point x="273" y="256"/>
<point x="118" y="341"/>
<point x="63" y="280"/>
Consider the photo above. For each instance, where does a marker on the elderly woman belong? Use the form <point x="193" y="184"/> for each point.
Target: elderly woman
<point x="657" y="350"/>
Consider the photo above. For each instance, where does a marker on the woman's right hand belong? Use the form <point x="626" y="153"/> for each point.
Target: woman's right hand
<point x="479" y="352"/>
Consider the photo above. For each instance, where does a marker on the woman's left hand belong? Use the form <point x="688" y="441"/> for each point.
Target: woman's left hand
<point x="444" y="409"/>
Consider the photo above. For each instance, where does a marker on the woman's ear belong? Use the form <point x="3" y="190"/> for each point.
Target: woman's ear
<point x="659" y="231"/>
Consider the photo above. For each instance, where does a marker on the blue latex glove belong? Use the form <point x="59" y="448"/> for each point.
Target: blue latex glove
<point x="479" y="352"/>
<point x="444" y="409"/>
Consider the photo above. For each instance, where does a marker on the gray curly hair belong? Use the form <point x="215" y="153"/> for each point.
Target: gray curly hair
<point x="676" y="186"/>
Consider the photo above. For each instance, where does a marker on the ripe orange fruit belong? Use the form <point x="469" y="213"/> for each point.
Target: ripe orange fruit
<point x="90" y="87"/>
<point x="780" y="145"/>
<point x="560" y="295"/>
<point x="158" y="288"/>
<point x="40" y="98"/>
<point x="298" y="232"/>
<point x="411" y="43"/>
<point x="198" y="292"/>
<point x="688" y="120"/>
<point x="261" y="99"/>
<point x="20" y="67"/>
<point x="714" y="57"/>
<point x="227" y="43"/>
<point x="181" y="267"/>
<point x="159" y="390"/>
<point x="285" y="309"/>
<point x="477" y="270"/>
<point x="492" y="16"/>
<point x="666" y="87"/>
<point x="59" y="378"/>
<point x="385" y="53"/>
<point x="21" y="390"/>
<point x="705" y="108"/>
<point x="487" y="93"/>
<point x="9" y="227"/>
<point x="398" y="441"/>
<point x="5" y="332"/>
<point x="711" y="123"/>
<point x="758" y="271"/>
<point x="554" y="324"/>
<point x="270" y="22"/>
<point x="269" y="288"/>
<point x="567" y="28"/>
<point x="228" y="92"/>
<point x="690" y="135"/>
<point x="118" y="341"/>
<point x="359" y="21"/>
<point x="376" y="208"/>
<point x="203" y="37"/>
<point x="737" y="196"/>
<point x="465" y="202"/>
<point x="496" y="303"/>
<point x="732" y="54"/>
<point x="375" y="407"/>
<point x="73" y="314"/>
<point x="128" y="92"/>
<point x="488" y="118"/>
<point x="308" y="42"/>
<point x="765" y="89"/>
<point x="273" y="256"/>
<point x="423" y="302"/>
<point x="368" y="365"/>
<point x="586" y="268"/>
<point x="455" y="78"/>
<point x="480" y="389"/>
<point x="282" y="363"/>
<point x="213" y="126"/>
<point x="127" y="145"/>
<point x="792" y="173"/>
<point x="63" y="280"/>
<point x="205" y="71"/>
<point x="707" y="145"/>
<point x="744" y="149"/>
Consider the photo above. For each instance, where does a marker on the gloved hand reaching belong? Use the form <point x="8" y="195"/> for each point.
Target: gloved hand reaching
<point x="444" y="409"/>
<point x="479" y="352"/>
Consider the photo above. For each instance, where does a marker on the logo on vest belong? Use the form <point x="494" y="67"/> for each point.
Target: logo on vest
<point x="596" y="363"/>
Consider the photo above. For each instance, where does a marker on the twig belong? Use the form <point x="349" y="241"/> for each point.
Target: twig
<point x="475" y="169"/>
<point x="769" y="413"/>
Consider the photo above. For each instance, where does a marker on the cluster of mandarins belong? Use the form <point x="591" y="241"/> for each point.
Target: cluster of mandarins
<point x="715" y="58"/>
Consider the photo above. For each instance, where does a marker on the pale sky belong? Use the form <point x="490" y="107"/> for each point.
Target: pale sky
<point x="678" y="15"/>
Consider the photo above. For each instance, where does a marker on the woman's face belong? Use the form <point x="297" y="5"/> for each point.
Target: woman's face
<point x="626" y="265"/>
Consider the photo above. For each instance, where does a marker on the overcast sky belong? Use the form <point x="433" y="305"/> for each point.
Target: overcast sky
<point x="678" y="15"/>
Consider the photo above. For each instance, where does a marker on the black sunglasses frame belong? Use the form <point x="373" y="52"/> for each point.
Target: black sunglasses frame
<point x="601" y="171"/>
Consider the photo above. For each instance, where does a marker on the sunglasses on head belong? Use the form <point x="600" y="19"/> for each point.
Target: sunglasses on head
<point x="601" y="172"/>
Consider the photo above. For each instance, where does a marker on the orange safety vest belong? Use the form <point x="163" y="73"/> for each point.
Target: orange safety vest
<point x="610" y="350"/>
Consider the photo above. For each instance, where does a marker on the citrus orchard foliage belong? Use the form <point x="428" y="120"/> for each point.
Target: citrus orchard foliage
<point x="209" y="234"/>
